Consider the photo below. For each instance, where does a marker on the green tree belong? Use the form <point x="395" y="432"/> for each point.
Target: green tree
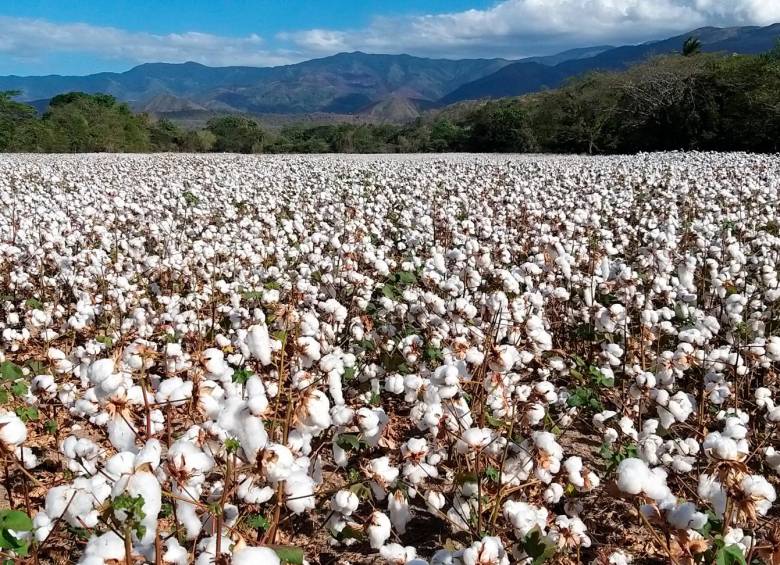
<point x="13" y="115"/>
<point x="236" y="134"/>
<point x="692" y="46"/>
<point x="499" y="127"/>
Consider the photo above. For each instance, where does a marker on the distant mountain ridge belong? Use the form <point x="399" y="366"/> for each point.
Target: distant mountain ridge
<point x="523" y="77"/>
<point x="391" y="88"/>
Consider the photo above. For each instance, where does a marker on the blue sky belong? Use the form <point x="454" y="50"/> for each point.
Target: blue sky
<point x="84" y="36"/>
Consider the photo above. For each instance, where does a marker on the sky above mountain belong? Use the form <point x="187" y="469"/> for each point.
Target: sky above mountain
<point x="51" y="36"/>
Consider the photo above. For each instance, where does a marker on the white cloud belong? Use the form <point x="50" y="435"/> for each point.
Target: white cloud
<point x="510" y="28"/>
<point x="515" y="28"/>
<point x="31" y="39"/>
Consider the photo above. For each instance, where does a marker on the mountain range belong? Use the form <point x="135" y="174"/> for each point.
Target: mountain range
<point x="378" y="87"/>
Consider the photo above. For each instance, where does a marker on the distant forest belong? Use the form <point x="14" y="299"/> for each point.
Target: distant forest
<point x="690" y="101"/>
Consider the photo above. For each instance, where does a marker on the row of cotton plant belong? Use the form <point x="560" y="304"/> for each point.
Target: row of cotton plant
<point x="461" y="360"/>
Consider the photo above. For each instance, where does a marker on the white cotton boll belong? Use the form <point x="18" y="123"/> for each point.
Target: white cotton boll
<point x="488" y="551"/>
<point x="175" y="554"/>
<point x="473" y="439"/>
<point x="632" y="475"/>
<point x="145" y="484"/>
<point x="685" y="516"/>
<point x="299" y="489"/>
<point x="121" y="434"/>
<point x="400" y="514"/>
<point x="251" y="434"/>
<point x="525" y="517"/>
<point x="315" y="414"/>
<point x="255" y="556"/>
<point x="27" y="457"/>
<point x="13" y="432"/>
<point x="259" y="343"/>
<point x="394" y="383"/>
<point x="396" y="554"/>
<point x="42" y="526"/>
<point x="772" y="348"/>
<point x="344" y="502"/>
<point x="104" y="549"/>
<point x="435" y="501"/>
<point x="310" y="350"/>
<point x="582" y="481"/>
<point x="44" y="384"/>
<point x="252" y="494"/>
<point x="553" y="493"/>
<point x="772" y="457"/>
<point x="277" y="462"/>
<point x="760" y="491"/>
<point x="100" y="370"/>
<point x="378" y="529"/>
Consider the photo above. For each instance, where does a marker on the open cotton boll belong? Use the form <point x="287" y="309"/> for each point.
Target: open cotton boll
<point x="344" y="502"/>
<point x="632" y="475"/>
<point x="525" y="517"/>
<point x="259" y="343"/>
<point x="378" y="529"/>
<point x="583" y="481"/>
<point x="277" y="462"/>
<point x="103" y="549"/>
<point x="299" y="491"/>
<point x="400" y="514"/>
<point x="255" y="556"/>
<point x="488" y="551"/>
<point x="685" y="516"/>
<point x="396" y="554"/>
<point x="473" y="439"/>
<point x="13" y="432"/>
<point x="175" y="554"/>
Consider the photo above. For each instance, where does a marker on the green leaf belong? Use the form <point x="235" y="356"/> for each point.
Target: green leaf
<point x="37" y="367"/>
<point x="730" y="555"/>
<point x="538" y="547"/>
<point x="10" y="371"/>
<point x="350" y="442"/>
<point x="389" y="291"/>
<point x="3" y="396"/>
<point x="495" y="422"/>
<point x="349" y="374"/>
<point x="258" y="522"/>
<point x="105" y="340"/>
<point x="350" y="533"/>
<point x="406" y="277"/>
<point x="361" y="491"/>
<point x="50" y="426"/>
<point x="241" y="376"/>
<point x="33" y="304"/>
<point x="15" y="520"/>
<point x="289" y="554"/>
<point x="492" y="473"/>
<point x="27" y="413"/>
<point x="19" y="388"/>
<point x="433" y="353"/>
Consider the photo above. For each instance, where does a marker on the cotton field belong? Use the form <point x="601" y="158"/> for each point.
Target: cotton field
<point x="404" y="360"/>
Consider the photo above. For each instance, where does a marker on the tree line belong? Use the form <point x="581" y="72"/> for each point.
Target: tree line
<point x="690" y="101"/>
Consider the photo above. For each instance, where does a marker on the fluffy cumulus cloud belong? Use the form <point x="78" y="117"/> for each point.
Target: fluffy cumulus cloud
<point x="524" y="27"/>
<point x="511" y="28"/>
<point x="32" y="39"/>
